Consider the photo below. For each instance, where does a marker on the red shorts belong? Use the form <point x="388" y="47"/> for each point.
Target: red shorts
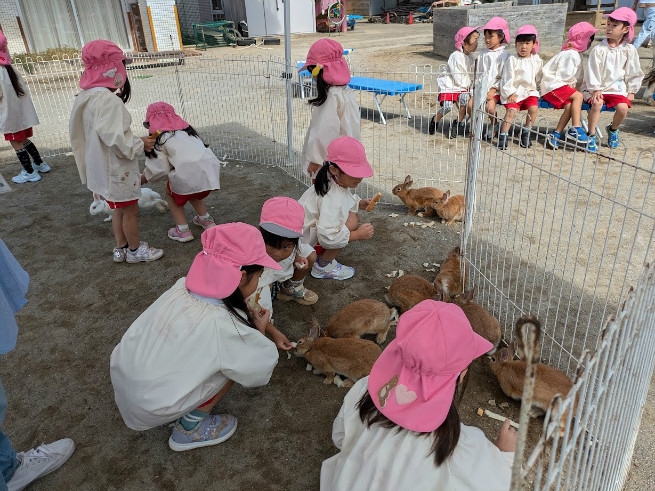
<point x="19" y="136"/>
<point x="559" y="97"/>
<point x="120" y="204"/>
<point x="182" y="199"/>
<point x="524" y="104"/>
<point x="612" y="100"/>
<point x="449" y="96"/>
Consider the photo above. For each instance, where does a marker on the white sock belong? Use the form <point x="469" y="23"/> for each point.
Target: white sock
<point x="183" y="228"/>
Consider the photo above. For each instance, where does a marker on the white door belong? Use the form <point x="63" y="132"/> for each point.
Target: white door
<point x="266" y="17"/>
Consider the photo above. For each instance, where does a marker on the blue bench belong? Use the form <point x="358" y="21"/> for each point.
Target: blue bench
<point x="585" y="107"/>
<point x="384" y="88"/>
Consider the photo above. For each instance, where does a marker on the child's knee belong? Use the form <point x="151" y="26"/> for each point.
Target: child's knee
<point x="621" y="108"/>
<point x="577" y="97"/>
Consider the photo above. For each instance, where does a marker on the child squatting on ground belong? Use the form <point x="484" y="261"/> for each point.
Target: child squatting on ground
<point x="613" y="75"/>
<point x="281" y="226"/>
<point x="192" y="169"/>
<point x="335" y="110"/>
<point x="105" y="149"/>
<point x="454" y="82"/>
<point x="182" y="355"/>
<point x="561" y="76"/>
<point x="17" y="116"/>
<point x="518" y="84"/>
<point x="399" y="428"/>
<point x="491" y="61"/>
<point x="331" y="218"/>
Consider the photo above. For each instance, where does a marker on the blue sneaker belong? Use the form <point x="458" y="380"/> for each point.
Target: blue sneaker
<point x="553" y="139"/>
<point x="332" y="271"/>
<point x="591" y="144"/>
<point x="212" y="430"/>
<point x="612" y="137"/>
<point x="578" y="134"/>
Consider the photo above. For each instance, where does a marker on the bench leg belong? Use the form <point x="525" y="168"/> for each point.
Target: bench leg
<point x="377" y="103"/>
<point x="402" y="99"/>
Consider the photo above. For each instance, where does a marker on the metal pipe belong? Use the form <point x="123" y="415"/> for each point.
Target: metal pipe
<point x="287" y="76"/>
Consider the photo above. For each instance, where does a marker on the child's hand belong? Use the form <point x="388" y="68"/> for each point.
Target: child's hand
<point x="491" y="94"/>
<point x="280" y="339"/>
<point x="148" y="143"/>
<point x="597" y="97"/>
<point x="301" y="263"/>
<point x="506" y="440"/>
<point x="313" y="168"/>
<point x="143" y="179"/>
<point x="631" y="97"/>
<point x="512" y="99"/>
<point x="261" y="318"/>
<point x="364" y="231"/>
<point x="363" y="203"/>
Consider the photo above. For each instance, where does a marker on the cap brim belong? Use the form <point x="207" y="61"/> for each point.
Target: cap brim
<point x="276" y="229"/>
<point x="268" y="262"/>
<point x="358" y="172"/>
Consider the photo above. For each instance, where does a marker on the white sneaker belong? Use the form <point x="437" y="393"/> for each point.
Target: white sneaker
<point x="332" y="271"/>
<point x="37" y="463"/>
<point x="24" y="176"/>
<point x="42" y="167"/>
<point x="144" y="253"/>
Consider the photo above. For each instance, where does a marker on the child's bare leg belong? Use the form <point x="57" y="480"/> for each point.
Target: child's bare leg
<point x="130" y="224"/>
<point x="510" y="114"/>
<point x="564" y="119"/>
<point x="575" y="109"/>
<point x="209" y="405"/>
<point x="462" y="113"/>
<point x="300" y="274"/>
<point x="176" y="210"/>
<point x="531" y="117"/>
<point x="117" y="225"/>
<point x="469" y="106"/>
<point x="491" y="108"/>
<point x="620" y="112"/>
<point x="17" y="145"/>
<point x="594" y="116"/>
<point x="199" y="206"/>
<point x="330" y="254"/>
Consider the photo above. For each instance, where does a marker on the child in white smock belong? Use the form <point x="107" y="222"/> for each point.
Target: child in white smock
<point x="454" y="82"/>
<point x="17" y="117"/>
<point x="519" y="85"/>
<point x="181" y="356"/>
<point x="192" y="169"/>
<point x="105" y="148"/>
<point x="399" y="428"/>
<point x="613" y="75"/>
<point x="335" y="111"/>
<point x="331" y="218"/>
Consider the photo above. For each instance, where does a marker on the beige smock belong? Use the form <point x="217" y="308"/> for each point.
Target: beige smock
<point x="521" y="76"/>
<point x="338" y="116"/>
<point x="455" y="77"/>
<point x="565" y="68"/>
<point x="325" y="216"/>
<point x="179" y="353"/>
<point x="104" y="146"/>
<point x="613" y="70"/>
<point x="190" y="166"/>
<point x="16" y="113"/>
<point x="491" y="62"/>
<point x="382" y="459"/>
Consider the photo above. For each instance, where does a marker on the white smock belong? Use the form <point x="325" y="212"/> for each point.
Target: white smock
<point x="613" y="70"/>
<point x="338" y="116"/>
<point x="491" y="62"/>
<point x="190" y="166"/>
<point x="382" y="459"/>
<point x="179" y="353"/>
<point x="455" y="77"/>
<point x="565" y="68"/>
<point x="325" y="216"/>
<point x="16" y="113"/>
<point x="521" y="76"/>
<point x="104" y="146"/>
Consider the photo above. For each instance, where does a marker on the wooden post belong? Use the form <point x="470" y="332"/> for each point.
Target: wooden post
<point x="22" y="33"/>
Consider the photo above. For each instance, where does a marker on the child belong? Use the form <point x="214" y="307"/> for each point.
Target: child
<point x="648" y="27"/>
<point x="193" y="170"/>
<point x="181" y="356"/>
<point x="331" y="218"/>
<point x="561" y="75"/>
<point x="105" y="148"/>
<point x="491" y="61"/>
<point x="17" y="116"/>
<point x="518" y="84"/>
<point x="454" y="81"/>
<point x="281" y="227"/>
<point x="399" y="428"/>
<point x="613" y="75"/>
<point x="335" y="110"/>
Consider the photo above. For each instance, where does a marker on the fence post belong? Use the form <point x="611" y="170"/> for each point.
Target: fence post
<point x="287" y="76"/>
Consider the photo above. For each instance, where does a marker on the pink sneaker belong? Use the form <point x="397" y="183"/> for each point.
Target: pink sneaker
<point x="180" y="235"/>
<point x="204" y="222"/>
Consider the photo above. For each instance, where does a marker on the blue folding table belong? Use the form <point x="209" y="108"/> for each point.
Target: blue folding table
<point x="384" y="88"/>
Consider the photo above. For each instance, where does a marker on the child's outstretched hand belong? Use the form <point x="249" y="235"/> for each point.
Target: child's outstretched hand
<point x="301" y="263"/>
<point x="506" y="440"/>
<point x="364" y="231"/>
<point x="363" y="203"/>
<point x="262" y="318"/>
<point x="279" y="339"/>
<point x="148" y="143"/>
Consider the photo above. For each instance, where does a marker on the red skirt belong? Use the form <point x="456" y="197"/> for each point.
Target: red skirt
<point x="19" y="136"/>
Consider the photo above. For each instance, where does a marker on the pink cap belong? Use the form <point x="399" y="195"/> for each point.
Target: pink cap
<point x="530" y="29"/>
<point x="498" y="24"/>
<point x="413" y="381"/>
<point x="461" y="36"/>
<point x="628" y="15"/>
<point x="283" y="216"/>
<point x="216" y="270"/>
<point x="103" y="65"/>
<point x="5" y="58"/>
<point x="349" y="154"/>
<point x="161" y="117"/>
<point x="578" y="36"/>
<point x="329" y="55"/>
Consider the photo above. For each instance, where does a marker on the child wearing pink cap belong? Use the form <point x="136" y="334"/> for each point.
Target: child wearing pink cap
<point x="335" y="111"/>
<point x="192" y="169"/>
<point x="454" y="82"/>
<point x="331" y="218"/>
<point x="281" y="225"/>
<point x="399" y="428"/>
<point x="17" y="117"/>
<point x="182" y="355"/>
<point x="490" y="62"/>
<point x="518" y="84"/>
<point x="613" y="75"/>
<point x="561" y="75"/>
<point x="105" y="148"/>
